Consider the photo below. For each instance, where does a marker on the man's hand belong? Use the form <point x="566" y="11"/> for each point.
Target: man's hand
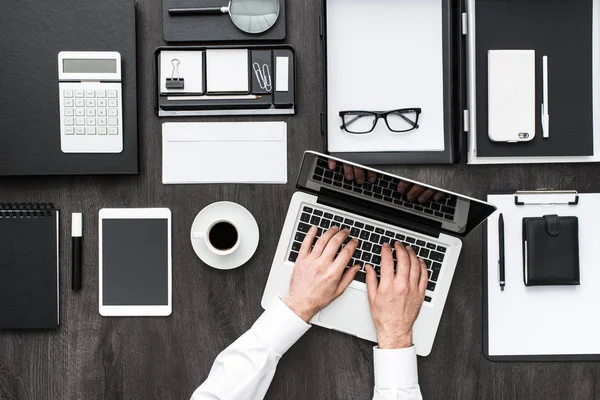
<point x="418" y="193"/>
<point x="397" y="299"/>
<point x="413" y="192"/>
<point x="352" y="173"/>
<point x="319" y="276"/>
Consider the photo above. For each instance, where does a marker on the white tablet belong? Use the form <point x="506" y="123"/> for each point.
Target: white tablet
<point x="135" y="262"/>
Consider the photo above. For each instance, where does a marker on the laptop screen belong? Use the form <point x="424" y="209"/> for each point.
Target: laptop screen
<point x="449" y="212"/>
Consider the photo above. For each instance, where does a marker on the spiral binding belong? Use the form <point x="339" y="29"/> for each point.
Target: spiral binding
<point x="26" y="210"/>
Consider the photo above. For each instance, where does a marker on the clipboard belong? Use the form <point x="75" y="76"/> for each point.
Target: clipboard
<point x="544" y="323"/>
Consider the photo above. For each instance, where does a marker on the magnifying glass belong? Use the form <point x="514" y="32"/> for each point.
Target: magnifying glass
<point x="250" y="16"/>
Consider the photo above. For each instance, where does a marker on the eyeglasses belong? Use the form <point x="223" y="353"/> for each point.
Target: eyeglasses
<point x="360" y="122"/>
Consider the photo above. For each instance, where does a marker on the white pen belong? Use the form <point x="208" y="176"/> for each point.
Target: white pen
<point x="545" y="106"/>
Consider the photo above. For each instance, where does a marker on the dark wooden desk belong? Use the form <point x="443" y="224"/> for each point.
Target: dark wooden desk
<point x="91" y="357"/>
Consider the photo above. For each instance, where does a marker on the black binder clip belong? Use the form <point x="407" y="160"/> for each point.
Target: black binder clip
<point x="175" y="81"/>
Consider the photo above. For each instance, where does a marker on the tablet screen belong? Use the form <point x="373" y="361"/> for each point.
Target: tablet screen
<point x="135" y="262"/>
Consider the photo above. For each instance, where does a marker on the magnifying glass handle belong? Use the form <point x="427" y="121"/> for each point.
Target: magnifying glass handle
<point x="197" y="11"/>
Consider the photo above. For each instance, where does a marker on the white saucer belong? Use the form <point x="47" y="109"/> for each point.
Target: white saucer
<point x="247" y="230"/>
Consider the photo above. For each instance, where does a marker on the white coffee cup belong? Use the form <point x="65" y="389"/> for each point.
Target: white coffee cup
<point x="221" y="243"/>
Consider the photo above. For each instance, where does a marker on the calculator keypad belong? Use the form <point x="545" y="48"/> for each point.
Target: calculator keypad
<point x="94" y="110"/>
<point x="91" y="118"/>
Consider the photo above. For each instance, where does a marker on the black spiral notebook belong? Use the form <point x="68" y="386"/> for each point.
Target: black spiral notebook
<point x="29" y="264"/>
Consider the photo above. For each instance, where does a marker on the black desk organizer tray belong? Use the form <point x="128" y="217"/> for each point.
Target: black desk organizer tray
<point x="563" y="31"/>
<point x="182" y="81"/>
<point x="377" y="34"/>
<point x="213" y="28"/>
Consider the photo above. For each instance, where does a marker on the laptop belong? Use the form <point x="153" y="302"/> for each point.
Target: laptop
<point x="376" y="213"/>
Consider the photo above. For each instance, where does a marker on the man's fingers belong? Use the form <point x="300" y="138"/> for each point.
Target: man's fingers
<point x="415" y="192"/>
<point x="387" y="265"/>
<point x="332" y="164"/>
<point x="427" y="194"/>
<point x="415" y="268"/>
<point x="345" y="255"/>
<point x="334" y="244"/>
<point x="371" y="282"/>
<point x="403" y="265"/>
<point x="347" y="278"/>
<point x="438" y="196"/>
<point x="359" y="175"/>
<point x="424" y="278"/>
<point x="371" y="176"/>
<point x="348" y="172"/>
<point x="307" y="242"/>
<point x="323" y="240"/>
<point x="403" y="187"/>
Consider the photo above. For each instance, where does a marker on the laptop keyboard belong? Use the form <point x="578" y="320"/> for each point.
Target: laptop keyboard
<point x="371" y="238"/>
<point x="385" y="188"/>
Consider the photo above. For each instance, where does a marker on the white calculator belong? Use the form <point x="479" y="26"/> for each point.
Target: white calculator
<point x="91" y="109"/>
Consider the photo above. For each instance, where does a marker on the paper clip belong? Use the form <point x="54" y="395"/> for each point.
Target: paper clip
<point x="175" y="81"/>
<point x="263" y="76"/>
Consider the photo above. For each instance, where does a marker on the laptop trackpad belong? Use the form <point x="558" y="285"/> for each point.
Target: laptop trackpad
<point x="350" y="313"/>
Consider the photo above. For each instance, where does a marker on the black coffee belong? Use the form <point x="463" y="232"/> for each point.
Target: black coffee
<point x="223" y="236"/>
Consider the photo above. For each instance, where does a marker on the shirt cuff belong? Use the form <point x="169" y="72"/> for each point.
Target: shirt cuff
<point x="279" y="327"/>
<point x="395" y="368"/>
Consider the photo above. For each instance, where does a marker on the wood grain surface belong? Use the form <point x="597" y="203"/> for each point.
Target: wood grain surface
<point x="91" y="357"/>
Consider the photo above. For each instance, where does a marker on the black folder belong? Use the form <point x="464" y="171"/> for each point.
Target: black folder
<point x="29" y="266"/>
<point x="32" y="33"/>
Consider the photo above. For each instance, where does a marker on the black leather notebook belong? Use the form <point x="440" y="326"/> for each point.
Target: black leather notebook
<point x="32" y="33"/>
<point x="28" y="266"/>
<point x="551" y="251"/>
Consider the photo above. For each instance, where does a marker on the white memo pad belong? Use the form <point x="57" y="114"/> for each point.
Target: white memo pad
<point x="542" y="320"/>
<point x="282" y="67"/>
<point x="227" y="71"/>
<point x="388" y="54"/>
<point x="190" y="69"/>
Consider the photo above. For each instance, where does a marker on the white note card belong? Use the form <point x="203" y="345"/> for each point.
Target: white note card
<point x="224" y="152"/>
<point x="227" y="71"/>
<point x="182" y="64"/>
<point x="282" y="67"/>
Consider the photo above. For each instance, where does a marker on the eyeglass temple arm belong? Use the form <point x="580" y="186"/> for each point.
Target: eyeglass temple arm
<point x="412" y="123"/>
<point x="345" y="125"/>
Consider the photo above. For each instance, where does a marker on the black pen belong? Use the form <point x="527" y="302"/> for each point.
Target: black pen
<point x="501" y="265"/>
<point x="77" y="237"/>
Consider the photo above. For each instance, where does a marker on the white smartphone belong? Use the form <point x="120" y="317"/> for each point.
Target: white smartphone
<point x="511" y="95"/>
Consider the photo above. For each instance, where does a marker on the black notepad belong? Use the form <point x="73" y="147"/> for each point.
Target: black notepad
<point x="28" y="266"/>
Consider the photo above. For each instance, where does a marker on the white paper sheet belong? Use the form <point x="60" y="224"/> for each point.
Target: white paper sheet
<point x="224" y="152"/>
<point x="543" y="320"/>
<point x="227" y="71"/>
<point x="384" y="55"/>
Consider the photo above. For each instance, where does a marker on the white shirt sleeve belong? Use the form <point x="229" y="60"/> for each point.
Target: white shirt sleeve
<point x="245" y="369"/>
<point x="396" y="376"/>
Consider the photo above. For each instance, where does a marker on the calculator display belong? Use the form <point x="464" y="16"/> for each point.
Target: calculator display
<point x="89" y="66"/>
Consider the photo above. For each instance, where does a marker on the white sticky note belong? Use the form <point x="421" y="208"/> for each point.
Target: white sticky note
<point x="227" y="71"/>
<point x="282" y="66"/>
<point x="182" y="64"/>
